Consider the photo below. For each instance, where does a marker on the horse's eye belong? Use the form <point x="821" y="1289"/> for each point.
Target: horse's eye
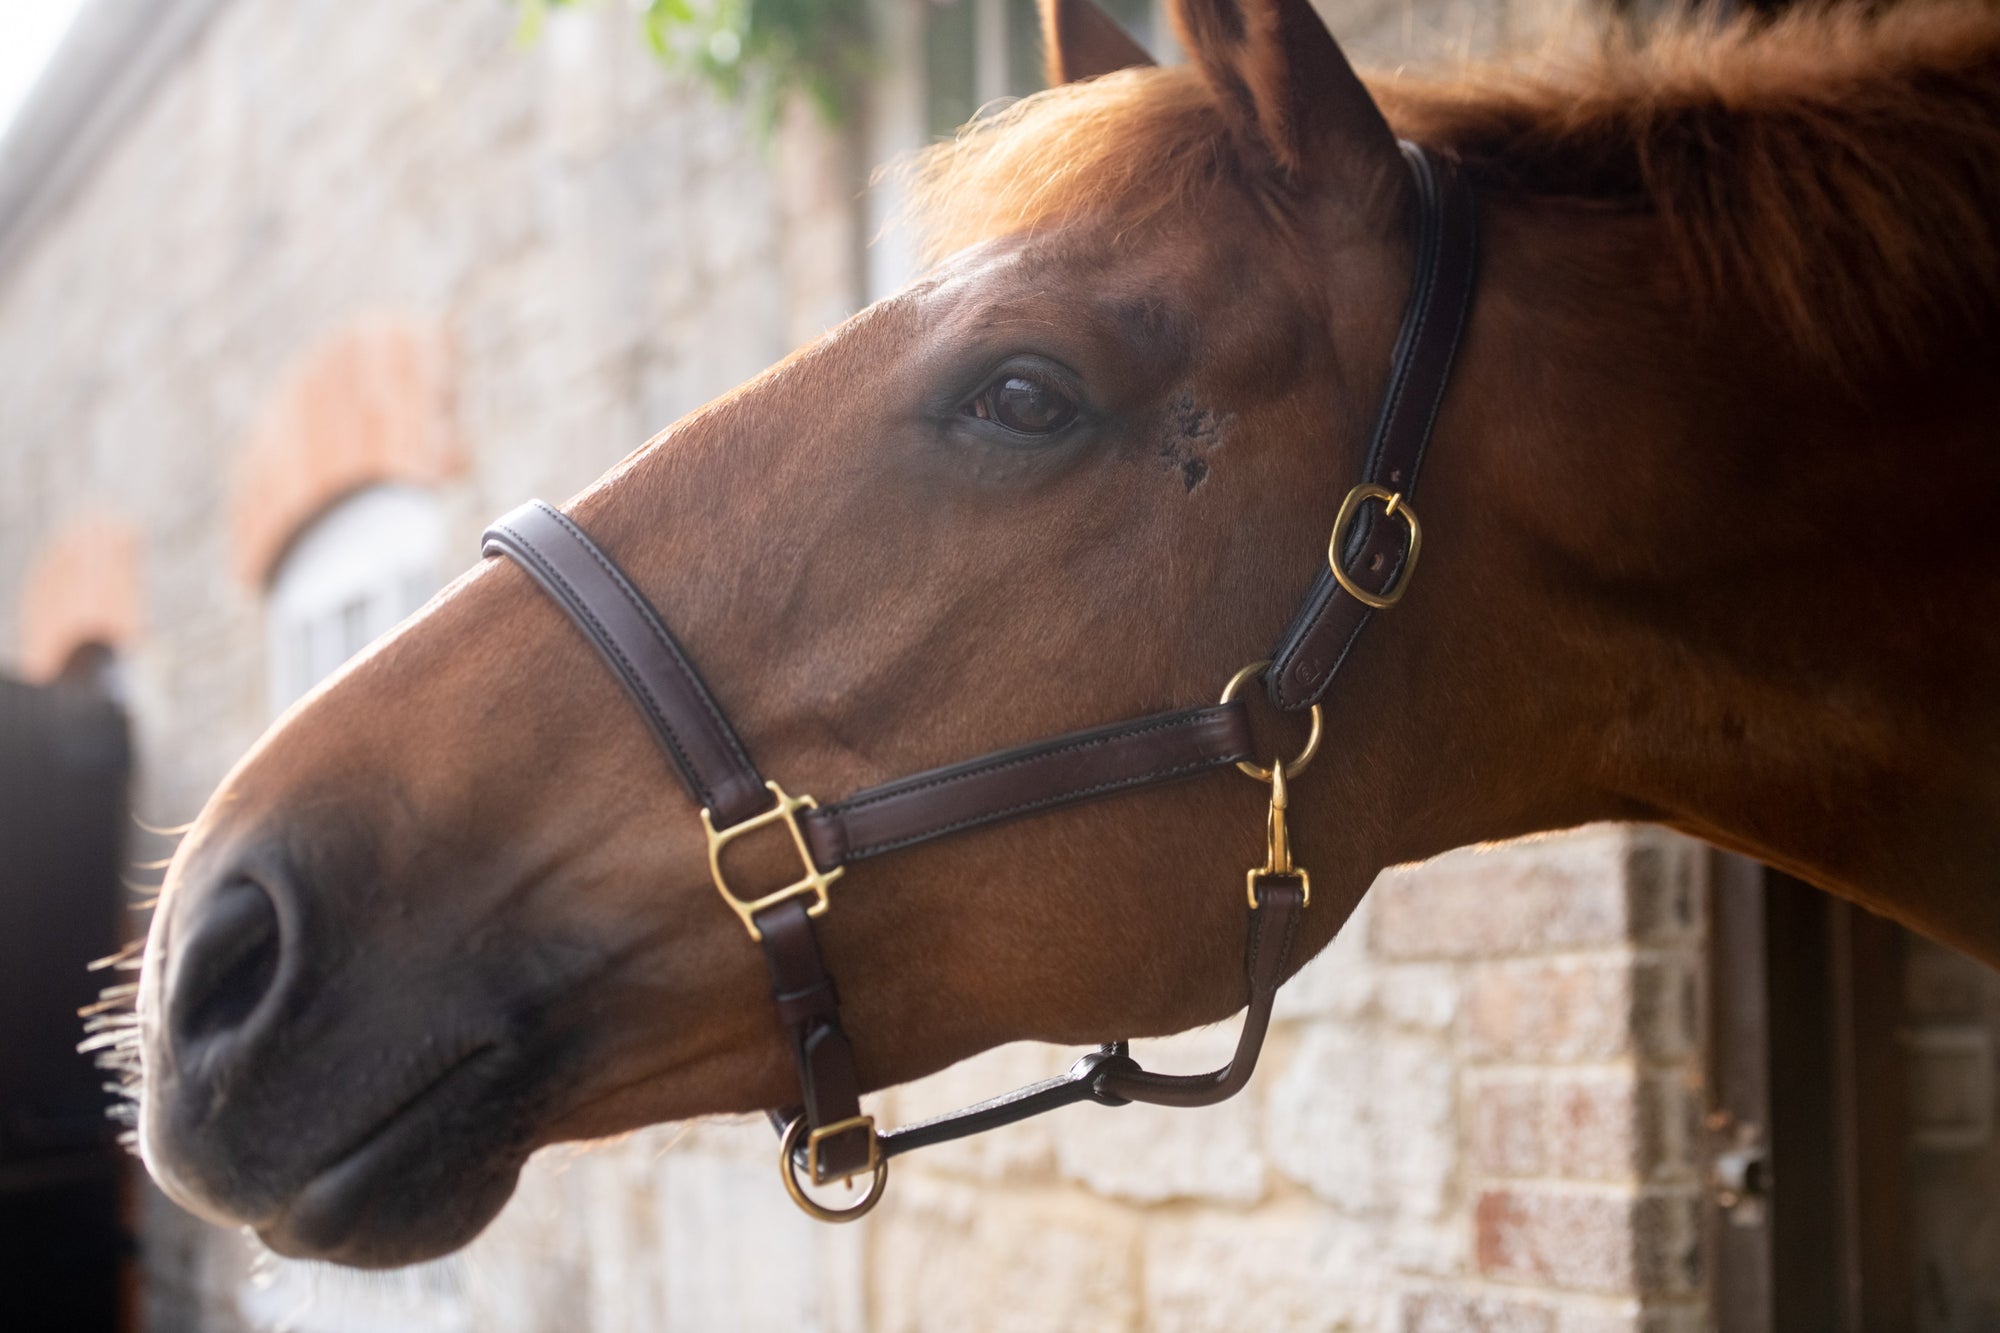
<point x="1024" y="404"/>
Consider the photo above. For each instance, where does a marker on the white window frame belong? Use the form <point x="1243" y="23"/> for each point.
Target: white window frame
<point x="353" y="573"/>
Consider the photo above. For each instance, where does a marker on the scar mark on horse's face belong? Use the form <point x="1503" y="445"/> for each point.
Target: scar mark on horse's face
<point x="1192" y="433"/>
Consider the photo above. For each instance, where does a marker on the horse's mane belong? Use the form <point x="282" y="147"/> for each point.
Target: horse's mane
<point x="1837" y="170"/>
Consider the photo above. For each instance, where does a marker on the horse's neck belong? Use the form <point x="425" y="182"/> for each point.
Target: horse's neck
<point x="1779" y="600"/>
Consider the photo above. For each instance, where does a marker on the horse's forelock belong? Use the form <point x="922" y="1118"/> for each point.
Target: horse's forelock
<point x="1129" y="145"/>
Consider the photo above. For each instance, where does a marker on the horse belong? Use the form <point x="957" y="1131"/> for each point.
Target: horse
<point x="1709" y="541"/>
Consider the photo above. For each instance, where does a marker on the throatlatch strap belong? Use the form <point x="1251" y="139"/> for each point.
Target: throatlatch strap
<point x="1376" y="547"/>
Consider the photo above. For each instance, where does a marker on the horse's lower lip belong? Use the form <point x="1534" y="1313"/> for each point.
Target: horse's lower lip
<point x="322" y="1217"/>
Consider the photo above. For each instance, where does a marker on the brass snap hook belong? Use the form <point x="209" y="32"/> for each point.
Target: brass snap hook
<point x="1278" y="846"/>
<point x="1277" y="833"/>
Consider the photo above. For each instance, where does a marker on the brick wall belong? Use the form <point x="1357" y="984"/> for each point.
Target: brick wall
<point x="368" y="402"/>
<point x="1475" y="1109"/>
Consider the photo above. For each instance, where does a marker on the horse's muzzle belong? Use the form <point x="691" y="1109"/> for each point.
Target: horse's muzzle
<point x="344" y="1099"/>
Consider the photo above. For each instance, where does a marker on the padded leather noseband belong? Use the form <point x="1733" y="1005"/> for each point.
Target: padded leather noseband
<point x="1371" y="553"/>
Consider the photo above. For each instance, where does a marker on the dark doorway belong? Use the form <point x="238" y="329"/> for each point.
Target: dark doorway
<point x="65" y="758"/>
<point x="1854" y="1167"/>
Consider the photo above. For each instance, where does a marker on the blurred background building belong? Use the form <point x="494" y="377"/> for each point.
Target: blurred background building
<point x="293" y="298"/>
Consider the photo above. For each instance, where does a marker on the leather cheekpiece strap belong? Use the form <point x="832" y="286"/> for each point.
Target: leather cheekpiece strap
<point x="1060" y="771"/>
<point x="1316" y="643"/>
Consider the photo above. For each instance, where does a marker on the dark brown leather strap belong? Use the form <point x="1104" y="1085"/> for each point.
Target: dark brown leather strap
<point x="1080" y="1084"/>
<point x="704" y="749"/>
<point x="809" y="1008"/>
<point x="1274" y="925"/>
<point x="1377" y="548"/>
<point x="1109" y="1075"/>
<point x="1060" y="771"/>
<point x="641" y="652"/>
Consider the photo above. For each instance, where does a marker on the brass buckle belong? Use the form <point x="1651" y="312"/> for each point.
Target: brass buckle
<point x="786" y="811"/>
<point x="1350" y="509"/>
<point x="878" y="1166"/>
<point x="835" y="1130"/>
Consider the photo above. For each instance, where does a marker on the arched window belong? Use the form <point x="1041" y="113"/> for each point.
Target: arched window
<point x="360" y="567"/>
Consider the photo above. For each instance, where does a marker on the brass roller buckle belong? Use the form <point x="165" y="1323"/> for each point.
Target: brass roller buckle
<point x="1350" y="510"/>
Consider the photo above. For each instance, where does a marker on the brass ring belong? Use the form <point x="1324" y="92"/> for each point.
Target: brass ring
<point x="1293" y="766"/>
<point x="789" y="1170"/>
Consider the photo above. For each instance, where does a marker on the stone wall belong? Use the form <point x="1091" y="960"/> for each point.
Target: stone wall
<point x="1476" y="1108"/>
<point x="1476" y="1112"/>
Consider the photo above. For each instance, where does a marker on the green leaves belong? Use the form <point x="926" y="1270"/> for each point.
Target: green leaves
<point x="764" y="50"/>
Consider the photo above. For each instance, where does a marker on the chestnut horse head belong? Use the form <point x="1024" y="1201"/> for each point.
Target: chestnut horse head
<point x="453" y="907"/>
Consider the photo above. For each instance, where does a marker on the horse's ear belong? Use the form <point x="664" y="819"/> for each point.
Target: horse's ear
<point x="1081" y="41"/>
<point x="1290" y="92"/>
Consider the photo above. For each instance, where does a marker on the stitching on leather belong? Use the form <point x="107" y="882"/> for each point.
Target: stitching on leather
<point x="1041" y="803"/>
<point x="1250" y="969"/>
<point x="605" y="640"/>
<point x="1425" y="173"/>
<point x="1353" y="638"/>
<point x="1297" y="636"/>
<point x="1379" y="446"/>
<point x="896" y="791"/>
<point x="829" y="819"/>
<point x="1451" y="357"/>
<point x="1312" y="630"/>
<point x="1399" y="385"/>
<point x="661" y="635"/>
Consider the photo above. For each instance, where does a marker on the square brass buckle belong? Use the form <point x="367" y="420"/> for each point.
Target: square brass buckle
<point x="865" y="1123"/>
<point x="786" y="811"/>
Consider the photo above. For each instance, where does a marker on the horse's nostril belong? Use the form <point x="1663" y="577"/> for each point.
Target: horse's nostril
<point x="230" y="961"/>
